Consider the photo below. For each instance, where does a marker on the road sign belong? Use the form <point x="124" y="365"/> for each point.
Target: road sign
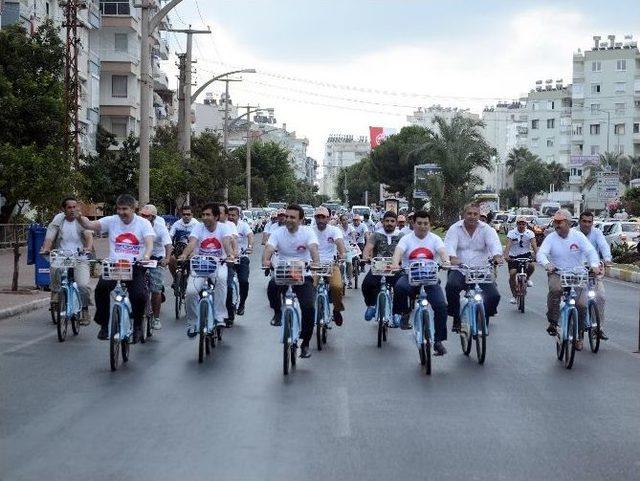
<point x="583" y="160"/>
<point x="608" y="184"/>
<point x="420" y="174"/>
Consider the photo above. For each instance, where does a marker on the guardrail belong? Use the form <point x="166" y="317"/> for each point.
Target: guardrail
<point x="7" y="234"/>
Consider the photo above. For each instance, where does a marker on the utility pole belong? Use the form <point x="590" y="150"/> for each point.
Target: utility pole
<point x="184" y="95"/>
<point x="181" y="103"/>
<point x="148" y="25"/>
<point x="248" y="175"/>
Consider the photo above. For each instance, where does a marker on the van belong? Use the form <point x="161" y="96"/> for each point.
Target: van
<point x="361" y="210"/>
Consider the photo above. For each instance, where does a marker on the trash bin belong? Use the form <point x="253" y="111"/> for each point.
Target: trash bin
<point x="35" y="239"/>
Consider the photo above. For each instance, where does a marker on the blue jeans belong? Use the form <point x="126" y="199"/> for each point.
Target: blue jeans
<point x="403" y="292"/>
<point x="456" y="284"/>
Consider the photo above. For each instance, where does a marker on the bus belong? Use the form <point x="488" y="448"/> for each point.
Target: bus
<point x="488" y="201"/>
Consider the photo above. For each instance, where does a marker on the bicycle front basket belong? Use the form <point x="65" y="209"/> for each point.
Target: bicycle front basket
<point x="118" y="270"/>
<point x="576" y="277"/>
<point x="289" y="273"/>
<point x="381" y="266"/>
<point x="204" y="266"/>
<point x="423" y="272"/>
<point x="59" y="259"/>
<point x="479" y="274"/>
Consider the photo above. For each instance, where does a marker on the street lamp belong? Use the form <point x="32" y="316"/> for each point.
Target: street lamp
<point x="218" y="77"/>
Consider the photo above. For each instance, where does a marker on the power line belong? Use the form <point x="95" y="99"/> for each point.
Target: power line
<point x="200" y="14"/>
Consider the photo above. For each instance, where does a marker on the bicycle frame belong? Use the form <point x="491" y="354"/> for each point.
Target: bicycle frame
<point x="290" y="304"/>
<point x="521" y="278"/>
<point x="322" y="297"/>
<point x="207" y="295"/>
<point x="120" y="299"/>
<point x="385" y="301"/>
<point x="567" y="306"/>
<point x="74" y="306"/>
<point x="421" y="304"/>
<point x="591" y="299"/>
<point x="469" y="309"/>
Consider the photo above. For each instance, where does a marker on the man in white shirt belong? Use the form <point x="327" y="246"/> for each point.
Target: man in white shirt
<point x="421" y="244"/>
<point x="179" y="234"/>
<point x="471" y="242"/>
<point x="276" y="222"/>
<point x="360" y="231"/>
<point x="520" y="243"/>
<point x="65" y="233"/>
<point x="162" y="247"/>
<point x="294" y="242"/>
<point x="407" y="229"/>
<point x="245" y="246"/>
<point x="330" y="244"/>
<point x="600" y="244"/>
<point x="210" y="238"/>
<point x="130" y="238"/>
<point x="565" y="249"/>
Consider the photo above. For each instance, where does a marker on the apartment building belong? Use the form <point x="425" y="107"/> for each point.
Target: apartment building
<point x="424" y="117"/>
<point x="341" y="151"/>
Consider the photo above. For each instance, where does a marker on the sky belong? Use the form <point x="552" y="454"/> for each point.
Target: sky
<point x="330" y="67"/>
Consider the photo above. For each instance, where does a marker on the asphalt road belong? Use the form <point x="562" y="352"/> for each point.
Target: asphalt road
<point x="352" y="411"/>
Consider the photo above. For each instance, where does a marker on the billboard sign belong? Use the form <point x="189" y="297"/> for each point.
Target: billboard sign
<point x="608" y="184"/>
<point x="582" y="160"/>
<point x="420" y="174"/>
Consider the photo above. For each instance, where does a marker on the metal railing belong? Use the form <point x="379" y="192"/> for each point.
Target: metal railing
<point x="115" y="8"/>
<point x="7" y="234"/>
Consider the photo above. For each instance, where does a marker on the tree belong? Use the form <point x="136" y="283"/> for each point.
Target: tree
<point x="558" y="174"/>
<point x="509" y="198"/>
<point x="631" y="201"/>
<point x="530" y="179"/>
<point x="608" y="162"/>
<point x="459" y="149"/>
<point x="358" y="178"/>
<point x="209" y="169"/>
<point x="517" y="157"/>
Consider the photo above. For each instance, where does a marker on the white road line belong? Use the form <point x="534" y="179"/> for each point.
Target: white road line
<point x="632" y="285"/>
<point x="343" y="424"/>
<point x="19" y="347"/>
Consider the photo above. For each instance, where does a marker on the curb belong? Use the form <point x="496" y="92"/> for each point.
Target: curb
<point x="23" y="308"/>
<point x="623" y="274"/>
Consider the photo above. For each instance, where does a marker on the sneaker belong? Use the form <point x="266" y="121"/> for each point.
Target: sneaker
<point x="439" y="349"/>
<point x="155" y="324"/>
<point x="530" y="283"/>
<point x="552" y="328"/>
<point x="191" y="331"/>
<point x="84" y="317"/>
<point x="337" y="318"/>
<point x="602" y="335"/>
<point x="103" y="333"/>
<point x="240" y="311"/>
<point x="370" y="313"/>
<point x="275" y="320"/>
<point x="405" y="322"/>
<point x="513" y="300"/>
<point x="305" y="353"/>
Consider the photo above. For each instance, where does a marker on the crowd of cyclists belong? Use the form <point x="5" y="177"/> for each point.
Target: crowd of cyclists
<point x="346" y="242"/>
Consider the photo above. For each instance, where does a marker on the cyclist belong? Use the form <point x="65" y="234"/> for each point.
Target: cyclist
<point x="179" y="234"/>
<point x="245" y="244"/>
<point x="233" y="230"/>
<point x="402" y="222"/>
<point x="162" y="248"/>
<point x="408" y="229"/>
<point x="565" y="248"/>
<point x="130" y="238"/>
<point x="421" y="244"/>
<point x="369" y="224"/>
<point x="360" y="231"/>
<point x="521" y="241"/>
<point x="294" y="242"/>
<point x="379" y="244"/>
<point x="599" y="242"/>
<point x="279" y="221"/>
<point x="65" y="233"/>
<point x="210" y="238"/>
<point x="330" y="242"/>
<point x="471" y="242"/>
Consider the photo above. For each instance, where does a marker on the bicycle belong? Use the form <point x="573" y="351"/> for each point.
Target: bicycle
<point x="120" y="324"/>
<point x="382" y="266"/>
<point x="208" y="327"/>
<point x="235" y="284"/>
<point x="567" y="334"/>
<point x="355" y="261"/>
<point x="592" y="317"/>
<point x="147" y="318"/>
<point x="68" y="306"/>
<point x="521" y="282"/>
<point x="289" y="273"/>
<point x="180" y="285"/>
<point x="473" y="322"/>
<point x="423" y="273"/>
<point x="323" y="317"/>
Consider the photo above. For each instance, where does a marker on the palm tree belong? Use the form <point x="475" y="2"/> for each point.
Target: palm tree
<point x="459" y="149"/>
<point x="609" y="161"/>
<point x="519" y="156"/>
<point x="558" y="174"/>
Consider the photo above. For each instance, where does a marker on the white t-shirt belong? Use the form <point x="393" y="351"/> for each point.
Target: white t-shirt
<point x="293" y="246"/>
<point x="70" y="241"/>
<point x="414" y="248"/>
<point x="359" y="233"/>
<point x="179" y="225"/>
<point x="231" y="227"/>
<point x="406" y="230"/>
<point x="349" y="234"/>
<point x="210" y="242"/>
<point x="327" y="241"/>
<point x="516" y="237"/>
<point x="161" y="240"/>
<point x="243" y="232"/>
<point x="567" y="252"/>
<point x="126" y="241"/>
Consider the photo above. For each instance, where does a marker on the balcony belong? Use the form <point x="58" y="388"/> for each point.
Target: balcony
<point x="575" y="179"/>
<point x="162" y="49"/>
<point x="115" y="8"/>
<point x="160" y="81"/>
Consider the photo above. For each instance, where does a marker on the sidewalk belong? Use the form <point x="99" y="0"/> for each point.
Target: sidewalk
<point x="28" y="298"/>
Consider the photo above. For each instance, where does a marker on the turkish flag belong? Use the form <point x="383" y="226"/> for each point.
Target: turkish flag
<point x="378" y="134"/>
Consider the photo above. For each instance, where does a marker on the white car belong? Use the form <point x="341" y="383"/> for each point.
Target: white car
<point x="621" y="232"/>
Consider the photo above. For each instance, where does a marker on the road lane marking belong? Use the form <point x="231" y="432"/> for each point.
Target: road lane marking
<point x="19" y="347"/>
<point x="343" y="424"/>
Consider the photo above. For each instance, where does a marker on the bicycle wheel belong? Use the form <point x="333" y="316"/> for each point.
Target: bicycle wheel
<point x="324" y="334"/>
<point x="124" y="348"/>
<point x="177" y="294"/>
<point x="465" y="336"/>
<point x="570" y="346"/>
<point x="594" y="330"/>
<point x="481" y="336"/>
<point x="62" y="320"/>
<point x="202" y="336"/>
<point x="75" y="318"/>
<point x="286" y="343"/>
<point x="319" y="323"/>
<point x="380" y="324"/>
<point x="560" y="345"/>
<point x="149" y="326"/>
<point x="426" y="343"/>
<point x="114" y="339"/>
<point x="522" y="291"/>
<point x="356" y="273"/>
<point x="143" y="328"/>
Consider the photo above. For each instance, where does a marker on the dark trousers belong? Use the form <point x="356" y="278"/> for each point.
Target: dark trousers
<point x="305" y="298"/>
<point x="456" y="284"/>
<point x="231" y="312"/>
<point x="402" y="294"/>
<point x="135" y="289"/>
<point x="371" y="287"/>
<point x="242" y="270"/>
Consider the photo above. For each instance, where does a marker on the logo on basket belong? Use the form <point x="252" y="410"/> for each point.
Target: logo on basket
<point x="301" y="248"/>
<point x="421" y="253"/>
<point x="574" y="247"/>
<point x="127" y="243"/>
<point x="210" y="245"/>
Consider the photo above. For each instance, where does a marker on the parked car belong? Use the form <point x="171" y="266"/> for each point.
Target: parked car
<point x="621" y="232"/>
<point x="499" y="220"/>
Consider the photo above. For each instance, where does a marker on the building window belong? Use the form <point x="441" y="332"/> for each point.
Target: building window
<point x="119" y="126"/>
<point x="596" y="66"/>
<point x="551" y="123"/>
<point x="620" y="108"/>
<point x="594" y="129"/>
<point x="595" y="108"/>
<point x="577" y="129"/>
<point x="550" y="104"/>
<point x="621" y="65"/>
<point x="47" y="8"/>
<point x="618" y="129"/>
<point x="595" y="88"/>
<point x="620" y="149"/>
<point x="121" y="41"/>
<point x="534" y="142"/>
<point x="636" y="128"/>
<point x="549" y="142"/>
<point x="534" y="106"/>
<point x="119" y="86"/>
<point x="595" y="149"/>
<point x="550" y="158"/>
<point x="534" y="124"/>
<point x="621" y="87"/>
